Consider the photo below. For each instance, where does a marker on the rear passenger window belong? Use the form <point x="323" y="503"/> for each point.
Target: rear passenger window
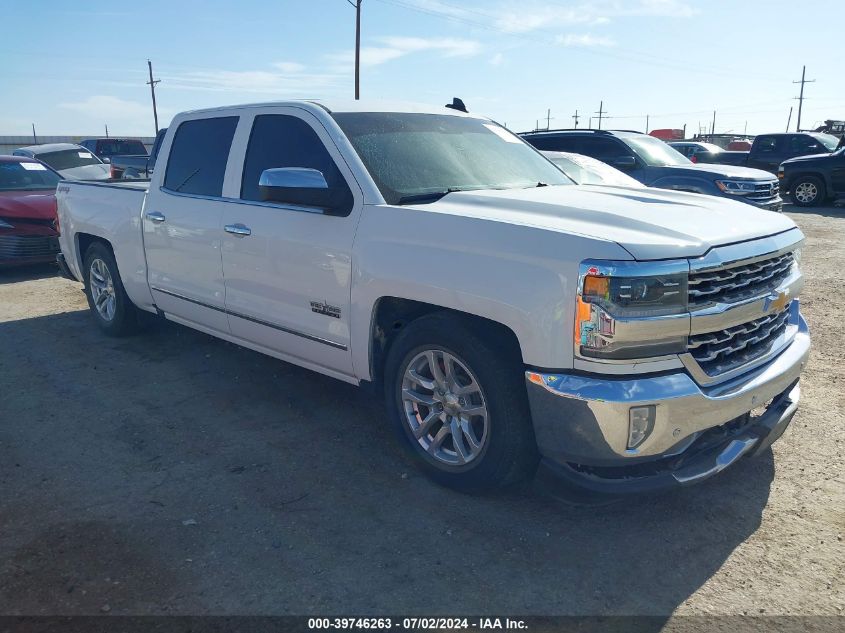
<point x="555" y="143"/>
<point x="604" y="148"/>
<point x="198" y="156"/>
<point x="279" y="140"/>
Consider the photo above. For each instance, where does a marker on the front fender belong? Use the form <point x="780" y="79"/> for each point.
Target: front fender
<point x="522" y="277"/>
<point x="687" y="183"/>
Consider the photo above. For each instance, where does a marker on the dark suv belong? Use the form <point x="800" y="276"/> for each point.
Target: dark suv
<point x="654" y="163"/>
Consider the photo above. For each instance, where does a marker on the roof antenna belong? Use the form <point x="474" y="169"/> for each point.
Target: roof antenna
<point x="457" y="104"/>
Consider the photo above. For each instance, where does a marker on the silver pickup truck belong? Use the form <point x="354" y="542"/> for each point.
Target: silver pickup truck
<point x="622" y="335"/>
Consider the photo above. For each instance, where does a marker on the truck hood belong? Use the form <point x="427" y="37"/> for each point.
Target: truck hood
<point x="87" y="172"/>
<point x="30" y="205"/>
<point x="721" y="171"/>
<point x="648" y="223"/>
<point x="801" y="159"/>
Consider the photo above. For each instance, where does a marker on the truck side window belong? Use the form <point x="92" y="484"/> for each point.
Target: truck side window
<point x="198" y="156"/>
<point x="555" y="143"/>
<point x="605" y="148"/>
<point x="279" y="140"/>
<point x="765" y="144"/>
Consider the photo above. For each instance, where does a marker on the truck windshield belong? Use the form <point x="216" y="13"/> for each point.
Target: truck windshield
<point x="413" y="156"/>
<point x="654" y="152"/>
<point x="828" y="140"/>
<point x="68" y="158"/>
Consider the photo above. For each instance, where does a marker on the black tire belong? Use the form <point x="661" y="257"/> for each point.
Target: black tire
<point x="508" y="453"/>
<point x="124" y="317"/>
<point x="802" y="189"/>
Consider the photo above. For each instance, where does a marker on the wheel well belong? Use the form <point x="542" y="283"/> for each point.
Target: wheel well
<point x="392" y="314"/>
<point x="83" y="243"/>
<point x="804" y="174"/>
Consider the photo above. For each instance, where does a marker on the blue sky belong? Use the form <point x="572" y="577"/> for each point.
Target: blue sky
<point x="72" y="67"/>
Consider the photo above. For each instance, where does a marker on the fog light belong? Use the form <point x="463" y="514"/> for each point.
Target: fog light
<point x="640" y="424"/>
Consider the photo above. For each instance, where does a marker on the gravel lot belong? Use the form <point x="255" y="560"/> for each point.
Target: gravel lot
<point x="174" y="473"/>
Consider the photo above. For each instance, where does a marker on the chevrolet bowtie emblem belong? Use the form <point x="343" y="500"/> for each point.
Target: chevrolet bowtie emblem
<point x="776" y="302"/>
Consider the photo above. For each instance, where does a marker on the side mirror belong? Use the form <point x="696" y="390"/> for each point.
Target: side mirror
<point x="625" y="162"/>
<point x="106" y="160"/>
<point x="299" y="186"/>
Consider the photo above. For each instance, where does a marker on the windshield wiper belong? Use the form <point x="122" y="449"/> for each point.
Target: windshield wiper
<point x="431" y="196"/>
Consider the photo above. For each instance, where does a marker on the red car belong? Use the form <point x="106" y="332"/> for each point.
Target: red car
<point x="29" y="231"/>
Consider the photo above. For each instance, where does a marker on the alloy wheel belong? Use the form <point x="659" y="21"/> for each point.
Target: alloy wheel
<point x="445" y="407"/>
<point x="806" y="192"/>
<point x="102" y="289"/>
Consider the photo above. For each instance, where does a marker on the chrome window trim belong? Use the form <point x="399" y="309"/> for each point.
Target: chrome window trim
<point x="281" y="328"/>
<point x="256" y="203"/>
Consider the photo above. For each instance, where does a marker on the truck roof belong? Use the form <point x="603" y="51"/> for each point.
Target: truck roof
<point x="333" y="106"/>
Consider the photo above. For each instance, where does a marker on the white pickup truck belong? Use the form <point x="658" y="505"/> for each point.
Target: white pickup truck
<point x="629" y="339"/>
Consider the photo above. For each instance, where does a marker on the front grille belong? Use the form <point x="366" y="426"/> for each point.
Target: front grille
<point x="723" y="350"/>
<point x="764" y="190"/>
<point x="22" y="246"/>
<point x="735" y="283"/>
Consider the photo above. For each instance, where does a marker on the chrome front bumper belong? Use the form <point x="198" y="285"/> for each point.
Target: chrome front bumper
<point x="583" y="420"/>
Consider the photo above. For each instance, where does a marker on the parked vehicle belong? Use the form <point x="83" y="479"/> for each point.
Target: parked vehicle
<point x="136" y="167"/>
<point x="71" y="161"/>
<point x="588" y="171"/>
<point x="769" y="150"/>
<point x="107" y="148"/>
<point x="505" y="313"/>
<point x="655" y="164"/>
<point x="696" y="151"/>
<point x="28" y="230"/>
<point x="813" y="180"/>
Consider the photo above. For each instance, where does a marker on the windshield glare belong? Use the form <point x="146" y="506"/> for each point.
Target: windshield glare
<point x="15" y="177"/>
<point x="654" y="152"/>
<point x="415" y="154"/>
<point x="69" y="158"/>
<point x="828" y="140"/>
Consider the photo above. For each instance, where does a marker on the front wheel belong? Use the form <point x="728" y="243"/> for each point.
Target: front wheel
<point x="113" y="311"/>
<point x="807" y="191"/>
<point x="459" y="405"/>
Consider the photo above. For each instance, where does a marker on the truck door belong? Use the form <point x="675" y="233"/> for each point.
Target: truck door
<point x="767" y="152"/>
<point x="288" y="268"/>
<point x="182" y="224"/>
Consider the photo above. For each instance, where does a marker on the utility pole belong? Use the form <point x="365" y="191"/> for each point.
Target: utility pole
<point x="34" y="138"/>
<point x="801" y="95"/>
<point x="789" y="119"/>
<point x="549" y="119"/>
<point x="357" y="5"/>
<point x="107" y="130"/>
<point x="152" y="84"/>
<point x="713" y="127"/>
<point x="646" y="124"/>
<point x="576" y="117"/>
<point x="601" y="112"/>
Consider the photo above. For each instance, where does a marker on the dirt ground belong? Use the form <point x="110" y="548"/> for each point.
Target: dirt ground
<point x="174" y="473"/>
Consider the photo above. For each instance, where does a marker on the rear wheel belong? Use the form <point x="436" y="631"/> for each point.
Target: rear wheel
<point x="807" y="191"/>
<point x="113" y="311"/>
<point x="459" y="405"/>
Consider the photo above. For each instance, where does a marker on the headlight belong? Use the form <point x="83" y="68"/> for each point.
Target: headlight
<point x="736" y="187"/>
<point x="5" y="225"/>
<point x="628" y="310"/>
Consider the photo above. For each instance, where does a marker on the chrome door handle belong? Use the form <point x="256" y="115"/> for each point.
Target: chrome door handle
<point x="155" y="216"/>
<point x="237" y="229"/>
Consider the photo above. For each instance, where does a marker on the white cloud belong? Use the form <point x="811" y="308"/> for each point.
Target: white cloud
<point x="533" y="16"/>
<point x="108" y="108"/>
<point x="390" y="48"/>
<point x="289" y="67"/>
<point x="497" y="59"/>
<point x="584" y="40"/>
